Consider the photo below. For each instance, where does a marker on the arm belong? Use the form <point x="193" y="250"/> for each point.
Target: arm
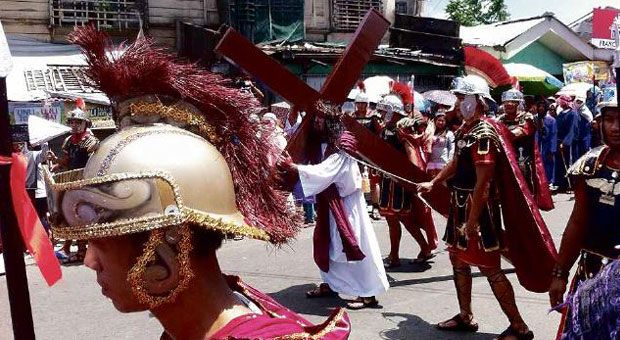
<point x="528" y="129"/>
<point x="553" y="131"/>
<point x="445" y="173"/>
<point x="571" y="245"/>
<point x="450" y="144"/>
<point x="571" y="123"/>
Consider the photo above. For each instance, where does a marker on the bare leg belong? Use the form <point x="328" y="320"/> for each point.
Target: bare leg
<point x="395" y="236"/>
<point x="502" y="289"/>
<point x="462" y="283"/>
<point x="417" y="235"/>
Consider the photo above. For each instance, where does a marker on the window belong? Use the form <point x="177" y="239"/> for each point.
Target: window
<point x="104" y="14"/>
<point x="401" y="7"/>
<point x="59" y="78"/>
<point x="347" y="14"/>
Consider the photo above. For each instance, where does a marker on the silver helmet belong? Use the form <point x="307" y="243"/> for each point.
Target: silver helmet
<point x="471" y="85"/>
<point x="512" y="95"/>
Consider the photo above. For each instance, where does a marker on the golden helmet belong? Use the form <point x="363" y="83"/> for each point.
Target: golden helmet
<point x="143" y="178"/>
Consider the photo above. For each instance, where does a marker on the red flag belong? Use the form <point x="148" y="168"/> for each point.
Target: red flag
<point x="32" y="231"/>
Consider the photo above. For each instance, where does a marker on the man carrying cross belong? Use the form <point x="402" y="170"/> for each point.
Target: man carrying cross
<point x="345" y="246"/>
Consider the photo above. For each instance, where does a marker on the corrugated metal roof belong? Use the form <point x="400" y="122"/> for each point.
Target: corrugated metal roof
<point x="498" y="34"/>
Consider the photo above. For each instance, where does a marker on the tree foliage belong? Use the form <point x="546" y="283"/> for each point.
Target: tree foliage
<point x="477" y="12"/>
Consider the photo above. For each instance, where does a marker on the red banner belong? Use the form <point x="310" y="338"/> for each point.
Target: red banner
<point x="602" y="27"/>
<point x="34" y="236"/>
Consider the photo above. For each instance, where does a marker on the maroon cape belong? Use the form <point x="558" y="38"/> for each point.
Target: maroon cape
<point x="278" y="321"/>
<point x="530" y="245"/>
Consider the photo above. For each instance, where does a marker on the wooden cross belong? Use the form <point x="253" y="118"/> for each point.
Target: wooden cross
<point x="345" y="74"/>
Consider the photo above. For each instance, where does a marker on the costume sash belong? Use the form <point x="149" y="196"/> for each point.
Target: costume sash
<point x="330" y="200"/>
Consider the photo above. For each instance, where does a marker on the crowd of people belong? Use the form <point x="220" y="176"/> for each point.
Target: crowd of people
<point x="154" y="217"/>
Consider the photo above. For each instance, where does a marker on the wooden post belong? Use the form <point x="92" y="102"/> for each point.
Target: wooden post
<point x="16" y="280"/>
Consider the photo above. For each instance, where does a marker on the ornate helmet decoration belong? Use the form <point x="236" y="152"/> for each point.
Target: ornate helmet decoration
<point x="186" y="157"/>
<point x="400" y="95"/>
<point x="512" y="95"/>
<point x="471" y="85"/>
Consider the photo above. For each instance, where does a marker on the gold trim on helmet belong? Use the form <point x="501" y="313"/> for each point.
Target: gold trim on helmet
<point x="164" y="196"/>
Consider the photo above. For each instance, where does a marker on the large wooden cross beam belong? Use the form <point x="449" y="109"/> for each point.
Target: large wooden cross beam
<point x="345" y="74"/>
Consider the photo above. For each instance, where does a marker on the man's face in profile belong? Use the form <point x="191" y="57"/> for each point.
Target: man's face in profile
<point x="112" y="258"/>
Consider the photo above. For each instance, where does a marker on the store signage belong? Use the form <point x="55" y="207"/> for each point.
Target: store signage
<point x="603" y="32"/>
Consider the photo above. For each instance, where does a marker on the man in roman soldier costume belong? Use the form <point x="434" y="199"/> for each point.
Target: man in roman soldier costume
<point x="483" y="173"/>
<point x="158" y="197"/>
<point x="522" y="128"/>
<point x="592" y="235"/>
<point x="76" y="149"/>
<point x="397" y="204"/>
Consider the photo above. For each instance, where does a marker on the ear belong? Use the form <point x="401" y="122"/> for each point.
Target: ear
<point x="163" y="276"/>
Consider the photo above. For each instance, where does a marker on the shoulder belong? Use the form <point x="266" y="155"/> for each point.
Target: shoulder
<point x="485" y="129"/>
<point x="589" y="163"/>
<point x="525" y="117"/>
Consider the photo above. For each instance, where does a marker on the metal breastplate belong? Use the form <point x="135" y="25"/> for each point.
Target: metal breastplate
<point x="465" y="175"/>
<point x="603" y="199"/>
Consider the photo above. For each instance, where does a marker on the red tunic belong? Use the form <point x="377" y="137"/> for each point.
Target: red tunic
<point x="277" y="321"/>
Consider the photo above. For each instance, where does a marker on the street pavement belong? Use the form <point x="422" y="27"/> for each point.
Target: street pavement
<point x="420" y="296"/>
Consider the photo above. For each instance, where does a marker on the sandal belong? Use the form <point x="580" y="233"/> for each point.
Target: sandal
<point x="363" y="302"/>
<point x="321" y="291"/>
<point x="422" y="258"/>
<point x="510" y="331"/>
<point x="389" y="263"/>
<point x="460" y="326"/>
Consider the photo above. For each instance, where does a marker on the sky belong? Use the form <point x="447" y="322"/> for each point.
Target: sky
<point x="565" y="10"/>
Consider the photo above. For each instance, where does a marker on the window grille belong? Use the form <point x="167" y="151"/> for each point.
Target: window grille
<point x="347" y="14"/>
<point x="104" y="14"/>
<point x="59" y="78"/>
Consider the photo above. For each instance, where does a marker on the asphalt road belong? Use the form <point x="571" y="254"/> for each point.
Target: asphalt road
<point x="420" y="296"/>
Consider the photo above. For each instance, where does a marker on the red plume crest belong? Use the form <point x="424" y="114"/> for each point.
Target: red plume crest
<point x="404" y="91"/>
<point x="144" y="69"/>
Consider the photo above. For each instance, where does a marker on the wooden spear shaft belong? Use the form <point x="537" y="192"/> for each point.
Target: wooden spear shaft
<point x="16" y="280"/>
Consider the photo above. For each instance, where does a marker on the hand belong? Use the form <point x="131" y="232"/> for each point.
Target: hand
<point x="556" y="291"/>
<point x="561" y="146"/>
<point x="51" y="156"/>
<point x="347" y="142"/>
<point x="425" y="187"/>
<point x="471" y="229"/>
<point x="285" y="163"/>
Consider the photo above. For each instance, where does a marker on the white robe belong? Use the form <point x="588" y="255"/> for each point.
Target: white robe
<point x="359" y="278"/>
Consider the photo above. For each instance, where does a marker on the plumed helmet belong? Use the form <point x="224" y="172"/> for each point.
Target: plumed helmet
<point x="512" y="95"/>
<point x="471" y="85"/>
<point x="392" y="103"/>
<point x="78" y="114"/>
<point x="362" y="97"/>
<point x="186" y="154"/>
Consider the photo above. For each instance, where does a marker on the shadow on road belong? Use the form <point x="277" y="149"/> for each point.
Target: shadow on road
<point x="294" y="297"/>
<point x="396" y="283"/>
<point x="408" y="326"/>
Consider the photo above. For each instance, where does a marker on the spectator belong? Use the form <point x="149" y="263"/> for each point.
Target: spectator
<point x="583" y="136"/>
<point x="443" y="145"/>
<point x="547" y="137"/>
<point x="566" y="122"/>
